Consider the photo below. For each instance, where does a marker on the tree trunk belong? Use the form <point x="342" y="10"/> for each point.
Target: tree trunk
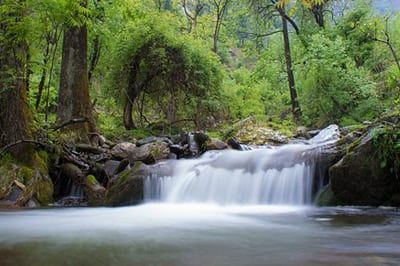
<point x="44" y="75"/>
<point x="73" y="96"/>
<point x="15" y="115"/>
<point x="288" y="57"/>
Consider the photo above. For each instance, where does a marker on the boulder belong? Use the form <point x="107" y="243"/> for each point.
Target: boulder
<point x="234" y="144"/>
<point x="302" y="132"/>
<point x="128" y="187"/>
<point x="216" y="144"/>
<point x="149" y="153"/>
<point x="152" y="140"/>
<point x="359" y="179"/>
<point x="247" y="131"/>
<point x="122" y="150"/>
<point x="94" y="192"/>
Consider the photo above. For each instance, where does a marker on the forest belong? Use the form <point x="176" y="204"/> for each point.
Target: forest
<point x="199" y="132"/>
<point x="83" y="74"/>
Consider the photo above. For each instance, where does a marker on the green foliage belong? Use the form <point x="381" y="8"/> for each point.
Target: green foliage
<point x="387" y="141"/>
<point x="334" y="90"/>
<point x="171" y="67"/>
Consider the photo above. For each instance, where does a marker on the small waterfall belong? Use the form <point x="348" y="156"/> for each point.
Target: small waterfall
<point x="275" y="175"/>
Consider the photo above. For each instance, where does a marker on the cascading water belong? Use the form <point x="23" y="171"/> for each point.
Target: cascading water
<point x="277" y="175"/>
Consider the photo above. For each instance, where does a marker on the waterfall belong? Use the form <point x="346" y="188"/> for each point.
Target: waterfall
<point x="273" y="175"/>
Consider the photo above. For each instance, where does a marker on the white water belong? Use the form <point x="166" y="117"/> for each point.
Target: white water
<point x="282" y="175"/>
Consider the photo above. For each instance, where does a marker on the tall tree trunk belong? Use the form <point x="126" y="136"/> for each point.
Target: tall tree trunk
<point x="15" y="115"/>
<point x="73" y="96"/>
<point x="288" y="57"/>
<point x="44" y="75"/>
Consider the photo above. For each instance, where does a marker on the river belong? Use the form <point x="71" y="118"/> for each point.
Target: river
<point x="200" y="234"/>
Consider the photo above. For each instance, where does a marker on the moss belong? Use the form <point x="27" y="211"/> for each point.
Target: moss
<point x="42" y="189"/>
<point x="91" y="179"/>
<point x="325" y="197"/>
<point x="26" y="174"/>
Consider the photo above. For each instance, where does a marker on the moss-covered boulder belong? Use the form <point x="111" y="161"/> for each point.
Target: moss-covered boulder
<point x="128" y="187"/>
<point x="21" y="185"/>
<point x="249" y="131"/>
<point x="359" y="178"/>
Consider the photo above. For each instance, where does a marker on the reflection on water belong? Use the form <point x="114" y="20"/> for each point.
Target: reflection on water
<point x="161" y="234"/>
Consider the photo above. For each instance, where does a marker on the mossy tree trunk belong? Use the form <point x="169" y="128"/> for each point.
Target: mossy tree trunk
<point x="73" y="97"/>
<point x="15" y="114"/>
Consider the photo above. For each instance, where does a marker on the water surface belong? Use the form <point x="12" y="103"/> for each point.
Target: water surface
<point x="192" y="234"/>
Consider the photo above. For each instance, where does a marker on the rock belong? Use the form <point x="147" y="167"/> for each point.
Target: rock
<point x="110" y="167"/>
<point x="201" y="139"/>
<point x="172" y="156"/>
<point x="128" y="187"/>
<point x="234" y="144"/>
<point x="215" y="144"/>
<point x="313" y="133"/>
<point x="261" y="136"/>
<point x="358" y="178"/>
<point x="122" y="150"/>
<point x="94" y="192"/>
<point x="248" y="131"/>
<point x="177" y="149"/>
<point x="152" y="140"/>
<point x="149" y="153"/>
<point x="302" y="132"/>
<point x="15" y="194"/>
<point x="325" y="197"/>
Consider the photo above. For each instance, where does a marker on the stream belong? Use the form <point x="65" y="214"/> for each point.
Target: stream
<point x="201" y="234"/>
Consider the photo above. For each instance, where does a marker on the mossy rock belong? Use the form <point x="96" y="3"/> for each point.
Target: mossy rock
<point x="127" y="188"/>
<point x="325" y="197"/>
<point x="37" y="186"/>
<point x="94" y="191"/>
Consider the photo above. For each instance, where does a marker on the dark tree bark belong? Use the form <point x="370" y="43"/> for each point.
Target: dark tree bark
<point x="15" y="115"/>
<point x="73" y="97"/>
<point x="44" y="74"/>
<point x="318" y="12"/>
<point x="289" y="68"/>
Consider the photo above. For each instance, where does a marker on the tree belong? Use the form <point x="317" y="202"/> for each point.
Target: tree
<point x="383" y="36"/>
<point x="221" y="7"/>
<point x="193" y="10"/>
<point x="73" y="98"/>
<point x="269" y="9"/>
<point x="15" y="115"/>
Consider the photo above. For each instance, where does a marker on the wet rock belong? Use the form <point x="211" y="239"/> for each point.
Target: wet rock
<point x="122" y="150"/>
<point x="358" y="178"/>
<point x="94" y="192"/>
<point x="325" y="197"/>
<point x="149" y="153"/>
<point x="313" y="133"/>
<point x="234" y="144"/>
<point x="177" y="149"/>
<point x="172" y="156"/>
<point x="215" y="144"/>
<point x="128" y="187"/>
